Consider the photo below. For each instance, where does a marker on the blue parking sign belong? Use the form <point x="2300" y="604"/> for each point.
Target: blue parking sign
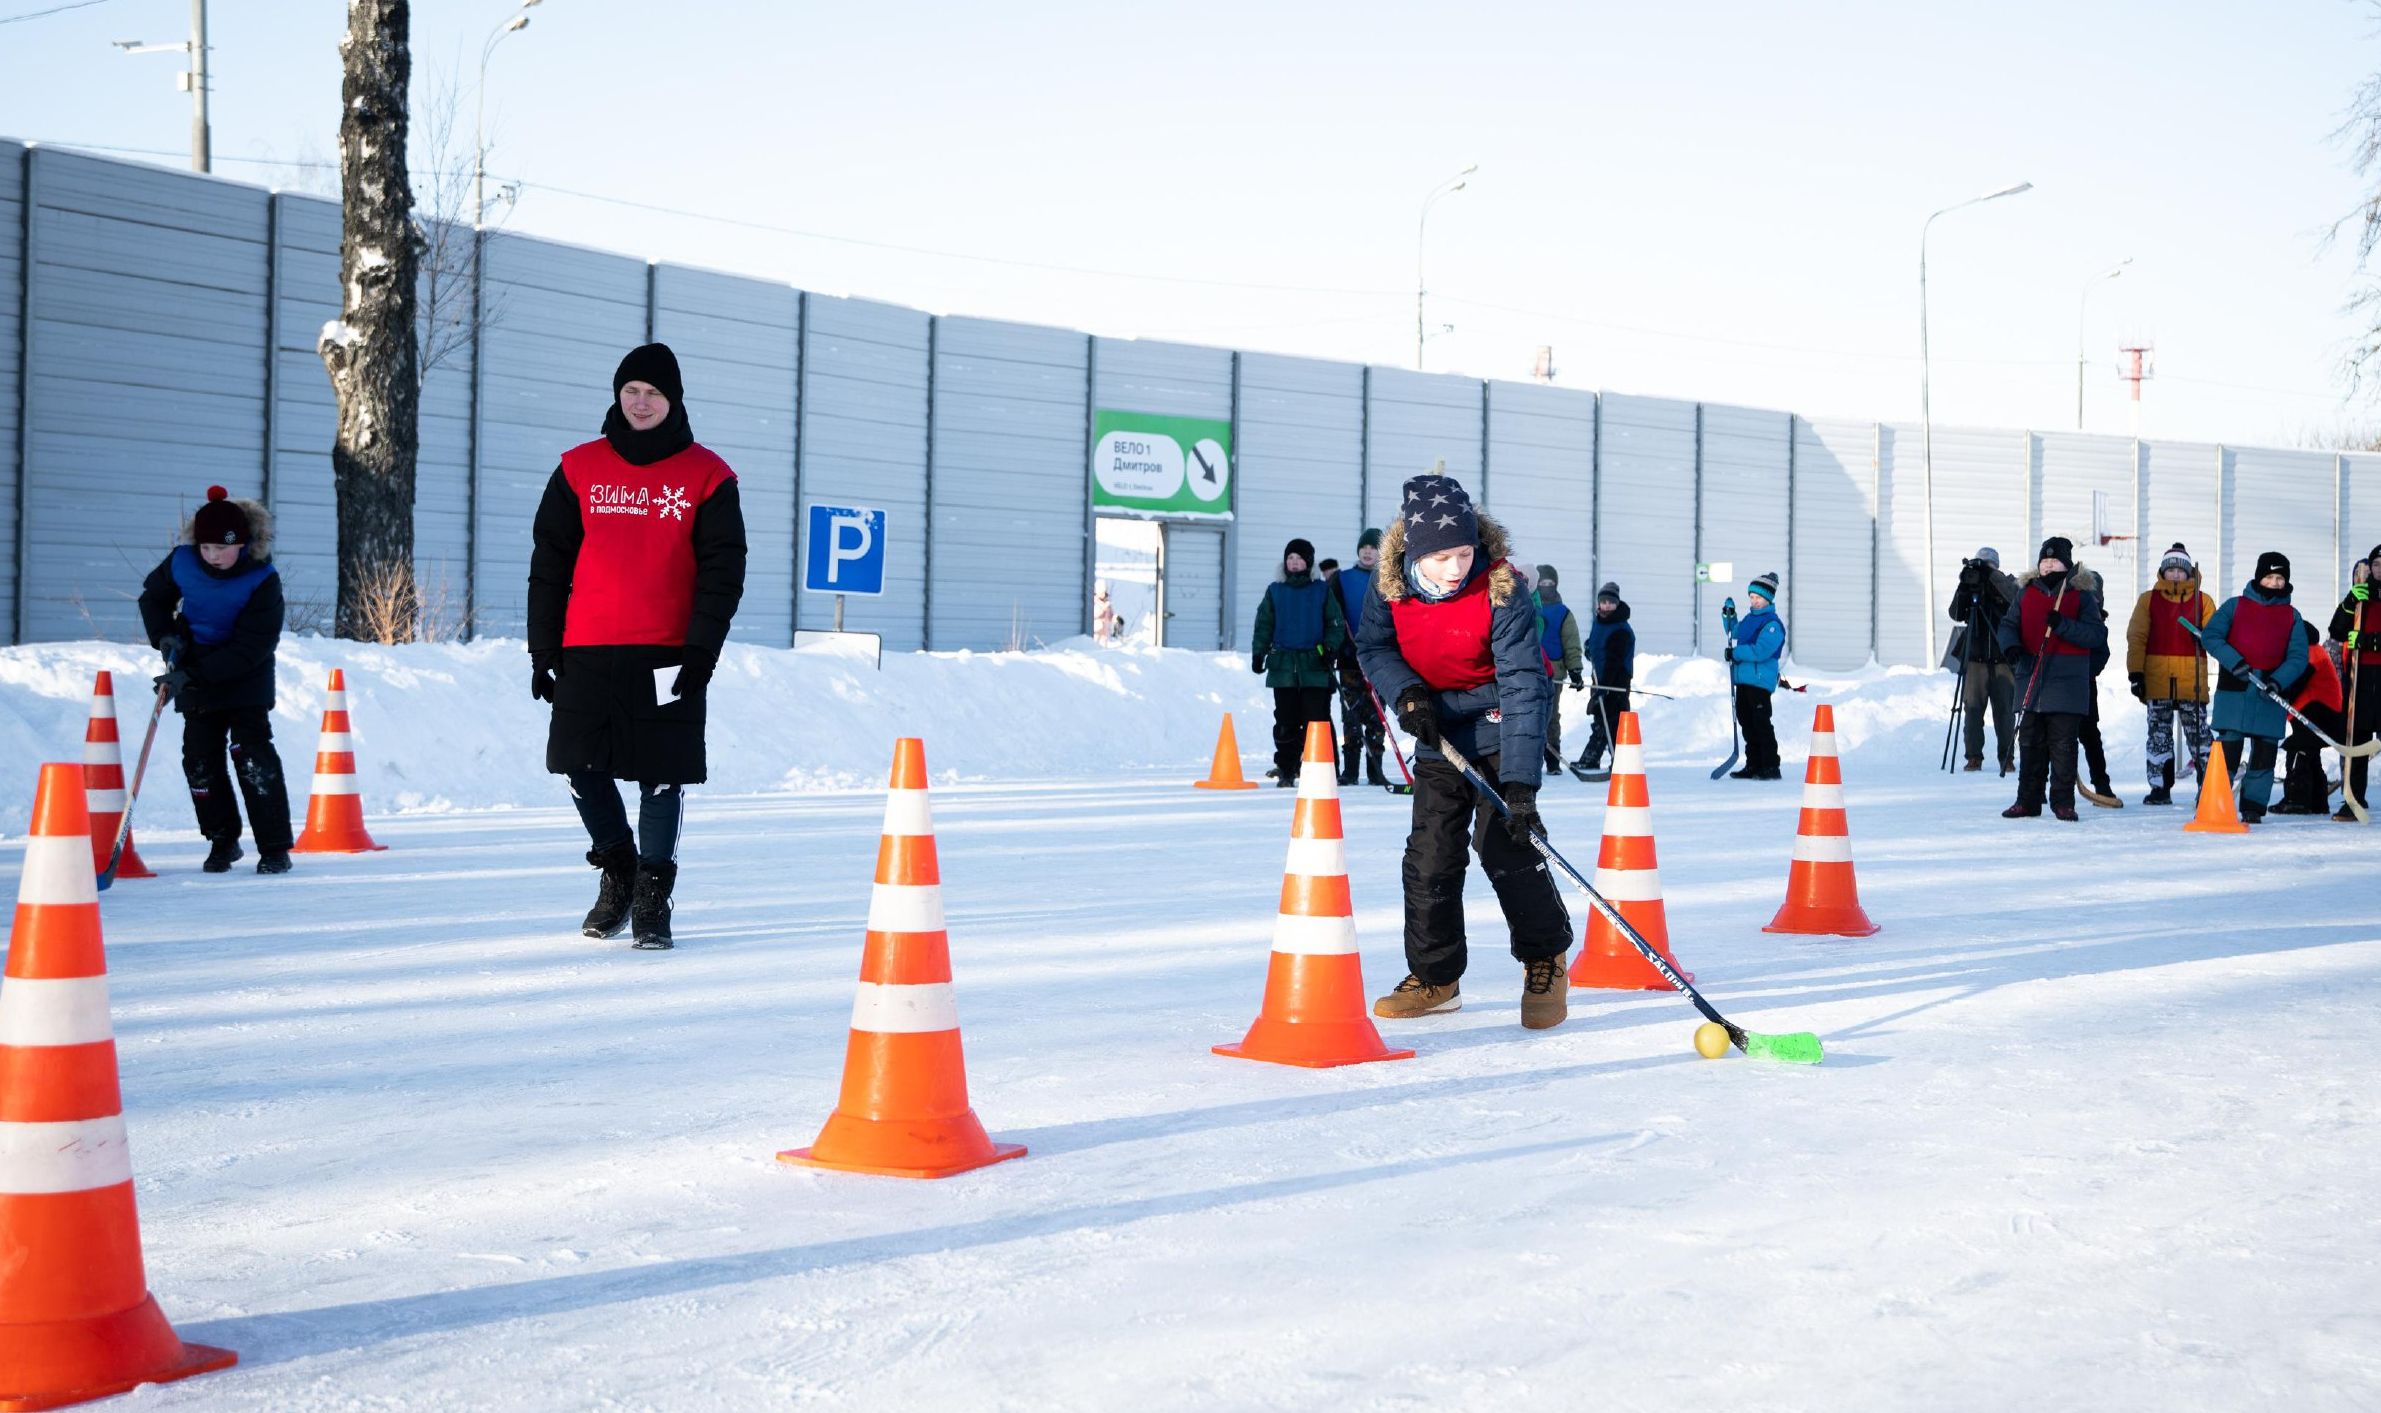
<point x="844" y="551"/>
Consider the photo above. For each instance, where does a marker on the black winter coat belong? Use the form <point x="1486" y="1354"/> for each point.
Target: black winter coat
<point x="236" y="673"/>
<point x="1985" y="592"/>
<point x="609" y="714"/>
<point x="2064" y="683"/>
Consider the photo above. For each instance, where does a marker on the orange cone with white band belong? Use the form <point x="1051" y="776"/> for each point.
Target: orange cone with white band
<point x="103" y="783"/>
<point x="1315" y="1009"/>
<point x="1629" y="877"/>
<point x="77" y="1321"/>
<point x="334" y="811"/>
<point x="1822" y="897"/>
<point x="904" y="1109"/>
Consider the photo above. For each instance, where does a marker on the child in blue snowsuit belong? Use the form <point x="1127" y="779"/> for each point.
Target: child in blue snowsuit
<point x="2255" y="639"/>
<point x="1758" y="644"/>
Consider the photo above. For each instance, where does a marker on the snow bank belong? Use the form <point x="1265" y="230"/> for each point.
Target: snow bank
<point x="452" y="726"/>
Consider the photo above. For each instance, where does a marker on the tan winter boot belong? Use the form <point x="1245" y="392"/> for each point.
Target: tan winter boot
<point x="1545" y="993"/>
<point x="1412" y="998"/>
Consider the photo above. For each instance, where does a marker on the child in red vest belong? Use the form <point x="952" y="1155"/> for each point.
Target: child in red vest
<point x="1449" y="638"/>
<point x="2255" y="639"/>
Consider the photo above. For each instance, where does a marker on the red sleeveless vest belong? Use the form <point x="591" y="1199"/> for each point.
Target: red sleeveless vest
<point x="1446" y="643"/>
<point x="635" y="577"/>
<point x="2034" y="620"/>
<point x="2262" y="632"/>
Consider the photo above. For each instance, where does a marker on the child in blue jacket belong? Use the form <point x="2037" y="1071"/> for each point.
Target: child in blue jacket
<point x="1753" y="654"/>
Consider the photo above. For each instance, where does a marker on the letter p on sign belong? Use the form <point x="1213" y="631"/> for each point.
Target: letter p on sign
<point x="843" y="550"/>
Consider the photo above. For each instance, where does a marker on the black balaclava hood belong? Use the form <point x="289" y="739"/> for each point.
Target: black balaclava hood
<point x="2272" y="562"/>
<point x="650" y="363"/>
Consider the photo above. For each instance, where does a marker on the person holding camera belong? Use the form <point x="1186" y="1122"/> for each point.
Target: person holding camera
<point x="1978" y="605"/>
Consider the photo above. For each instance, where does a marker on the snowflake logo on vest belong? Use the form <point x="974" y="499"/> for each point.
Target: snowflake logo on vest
<point x="673" y="503"/>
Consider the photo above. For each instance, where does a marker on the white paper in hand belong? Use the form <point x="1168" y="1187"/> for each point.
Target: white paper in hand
<point x="665" y="683"/>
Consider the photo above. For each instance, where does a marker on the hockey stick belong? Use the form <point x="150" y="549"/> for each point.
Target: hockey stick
<point x="2355" y="752"/>
<point x="115" y="855"/>
<point x="1394" y="749"/>
<point x="1631" y="692"/>
<point x="1800" y="1048"/>
<point x="2355" y="680"/>
<point x="1728" y="621"/>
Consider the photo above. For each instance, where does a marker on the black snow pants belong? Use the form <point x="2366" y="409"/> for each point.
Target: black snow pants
<point x="1358" y="722"/>
<point x="2366" y="726"/>
<point x="1760" y="737"/>
<point x="1293" y="707"/>
<point x="661" y="813"/>
<point x="1451" y="821"/>
<point x="1603" y="709"/>
<point x="2046" y="754"/>
<point x="254" y="763"/>
<point x="2095" y="752"/>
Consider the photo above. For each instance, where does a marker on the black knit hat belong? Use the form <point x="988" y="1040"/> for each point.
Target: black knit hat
<point x="1547" y="576"/>
<point x="1370" y="539"/>
<point x="1438" y="515"/>
<point x="220" y="521"/>
<point x="1304" y="549"/>
<point x="2060" y="548"/>
<point x="650" y="363"/>
<point x="2272" y="562"/>
<point x="1611" y="590"/>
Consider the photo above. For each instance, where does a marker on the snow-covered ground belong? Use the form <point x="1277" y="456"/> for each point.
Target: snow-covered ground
<point x="2097" y="1125"/>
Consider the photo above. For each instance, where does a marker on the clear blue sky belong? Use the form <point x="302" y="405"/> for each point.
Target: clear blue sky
<point x="1713" y="200"/>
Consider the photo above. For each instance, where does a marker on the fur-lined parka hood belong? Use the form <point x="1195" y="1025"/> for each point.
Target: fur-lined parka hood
<point x="2080" y="578"/>
<point x="260" y="529"/>
<point x="1503" y="583"/>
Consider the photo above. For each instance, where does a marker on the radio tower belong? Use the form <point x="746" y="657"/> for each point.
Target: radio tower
<point x="2140" y="362"/>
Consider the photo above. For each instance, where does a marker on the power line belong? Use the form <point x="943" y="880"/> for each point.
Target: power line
<point x="52" y="10"/>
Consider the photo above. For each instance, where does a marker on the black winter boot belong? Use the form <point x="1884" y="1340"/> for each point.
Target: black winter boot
<point x="610" y="913"/>
<point x="222" y="855"/>
<point x="1347" y="765"/>
<point x="1372" y="768"/>
<point x="272" y="860"/>
<point x="650" y="906"/>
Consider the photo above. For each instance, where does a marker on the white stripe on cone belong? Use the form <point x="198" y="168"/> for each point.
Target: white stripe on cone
<point x="334" y="784"/>
<point x="103" y="705"/>
<point x="103" y="753"/>
<point x="1822" y="848"/>
<point x="76" y="1156"/>
<point x="905" y="907"/>
<point x="1630" y="885"/>
<point x="335" y="741"/>
<point x="100" y="802"/>
<point x="1822" y="743"/>
<point x="908" y="815"/>
<point x="1316" y="782"/>
<point x="1822" y="797"/>
<point x="1629" y="821"/>
<point x="54" y="1011"/>
<point x="1318" y="858"/>
<point x="914" y="1009"/>
<point x="1313" y="936"/>
<point x="1628" y="758"/>
<point x="58" y="870"/>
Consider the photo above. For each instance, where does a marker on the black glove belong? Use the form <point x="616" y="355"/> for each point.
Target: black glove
<point x="1418" y="716"/>
<point x="1521" y="811"/>
<point x="176" y="686"/>
<point x="2141" y="691"/>
<point x="544" y="667"/>
<point x="2052" y="618"/>
<point x="1256" y="663"/>
<point x="1578" y="683"/>
<point x="173" y="646"/>
<point x="1322" y="655"/>
<point x="695" y="673"/>
<point x="2259" y="680"/>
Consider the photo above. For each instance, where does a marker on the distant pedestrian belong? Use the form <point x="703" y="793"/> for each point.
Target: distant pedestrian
<point x="1566" y="660"/>
<point x="1298" y="635"/>
<point x="1611" y="654"/>
<point x="2167" y="670"/>
<point x="1359" y="719"/>
<point x="2359" y="618"/>
<point x="2049" y="637"/>
<point x="1760" y="643"/>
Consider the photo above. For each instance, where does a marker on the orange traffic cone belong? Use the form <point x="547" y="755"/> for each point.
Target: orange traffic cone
<point x="1314" y="1012"/>
<point x="903" y="1112"/>
<point x="103" y="783"/>
<point x="1822" y="897"/>
<point x="1629" y="878"/>
<point x="334" y="812"/>
<point x="1224" y="774"/>
<point x="2218" y="812"/>
<point x="77" y="1321"/>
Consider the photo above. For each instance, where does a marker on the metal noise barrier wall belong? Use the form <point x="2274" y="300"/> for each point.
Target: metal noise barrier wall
<point x="157" y="335"/>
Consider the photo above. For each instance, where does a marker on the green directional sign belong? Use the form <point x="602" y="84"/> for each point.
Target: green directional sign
<point x="1146" y="464"/>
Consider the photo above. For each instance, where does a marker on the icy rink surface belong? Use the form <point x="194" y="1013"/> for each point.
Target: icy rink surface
<point x="2097" y="1126"/>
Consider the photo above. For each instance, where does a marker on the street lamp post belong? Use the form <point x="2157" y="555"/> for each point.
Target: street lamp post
<point x="2080" y="304"/>
<point x="1926" y="411"/>
<point x="192" y="80"/>
<point x="1448" y="187"/>
<point x="479" y="116"/>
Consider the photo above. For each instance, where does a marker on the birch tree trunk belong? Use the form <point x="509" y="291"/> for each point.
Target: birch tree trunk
<point x="372" y="349"/>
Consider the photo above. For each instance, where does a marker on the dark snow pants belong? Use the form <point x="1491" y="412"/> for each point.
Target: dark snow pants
<point x="1760" y="737"/>
<point x="1603" y="710"/>
<point x="661" y="812"/>
<point x="1358" y="722"/>
<point x="254" y="763"/>
<point x="2046" y="751"/>
<point x="1293" y="707"/>
<point x="2256" y="784"/>
<point x="2095" y="751"/>
<point x="1450" y="822"/>
<point x="2366" y="726"/>
<point x="1988" y="684"/>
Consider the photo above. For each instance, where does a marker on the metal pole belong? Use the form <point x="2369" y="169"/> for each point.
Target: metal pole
<point x="1449" y="187"/>
<point x="926" y="566"/>
<point x="201" y="138"/>
<point x="1926" y="415"/>
<point x="2083" y="301"/>
<point x="28" y="262"/>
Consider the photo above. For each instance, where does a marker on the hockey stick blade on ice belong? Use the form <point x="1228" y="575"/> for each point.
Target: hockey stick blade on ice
<point x="1800" y="1048"/>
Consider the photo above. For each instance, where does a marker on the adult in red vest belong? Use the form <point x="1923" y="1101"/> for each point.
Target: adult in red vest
<point x="2255" y="639"/>
<point x="2052" y="638"/>
<point x="2359" y="617"/>
<point x="635" y="571"/>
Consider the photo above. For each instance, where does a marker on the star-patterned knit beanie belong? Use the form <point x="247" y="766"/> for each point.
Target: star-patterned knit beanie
<point x="1438" y="516"/>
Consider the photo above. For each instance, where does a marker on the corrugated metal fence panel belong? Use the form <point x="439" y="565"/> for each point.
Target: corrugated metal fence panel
<point x="12" y="333"/>
<point x="1745" y="506"/>
<point x="2360" y="527"/>
<point x="864" y="443"/>
<point x="1418" y="420"/>
<point x="306" y="417"/>
<point x="1541" y="475"/>
<point x="149" y="297"/>
<point x="1983" y="496"/>
<point x="1011" y="475"/>
<point x="1830" y="588"/>
<point x="735" y="340"/>
<point x="1646" y="501"/>
<point x="2070" y="467"/>
<point x="442" y="473"/>
<point x="2182" y="490"/>
<point x="1194" y="585"/>
<point x="1301" y="443"/>
<point x="2284" y="500"/>
<point x="559" y="318"/>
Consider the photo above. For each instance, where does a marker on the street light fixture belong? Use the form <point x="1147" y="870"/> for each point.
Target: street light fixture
<point x="2108" y="274"/>
<point x="1448" y="187"/>
<point x="192" y="81"/>
<point x="479" y="116"/>
<point x="1926" y="412"/>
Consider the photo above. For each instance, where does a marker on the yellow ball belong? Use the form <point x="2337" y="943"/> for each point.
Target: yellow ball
<point x="1711" y="1041"/>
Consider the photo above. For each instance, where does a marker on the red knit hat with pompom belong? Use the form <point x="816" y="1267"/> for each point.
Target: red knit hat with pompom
<point x="220" y="521"/>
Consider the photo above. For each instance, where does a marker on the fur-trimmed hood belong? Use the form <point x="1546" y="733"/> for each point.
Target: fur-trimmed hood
<point x="260" y="529"/>
<point x="1503" y="583"/>
<point x="2080" y="578"/>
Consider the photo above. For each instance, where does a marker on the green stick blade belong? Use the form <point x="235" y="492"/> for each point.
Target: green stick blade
<point x="1801" y="1048"/>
